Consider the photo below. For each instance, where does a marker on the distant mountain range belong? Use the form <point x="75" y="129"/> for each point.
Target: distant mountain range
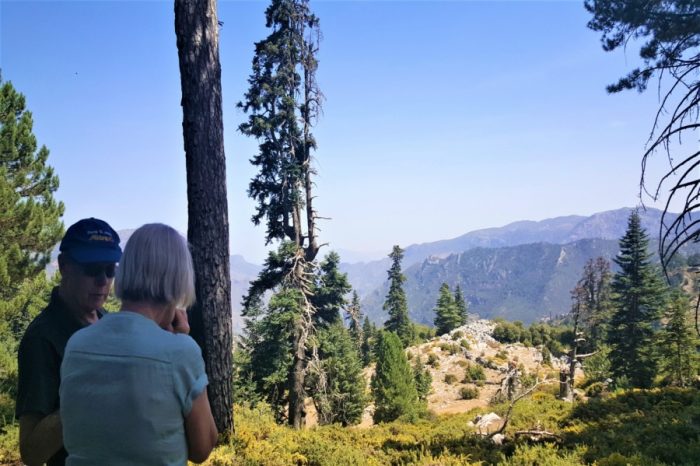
<point x="521" y="271"/>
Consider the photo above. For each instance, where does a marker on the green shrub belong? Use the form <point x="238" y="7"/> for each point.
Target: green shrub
<point x="464" y="343"/>
<point x="433" y="360"/>
<point x="469" y="393"/>
<point x="450" y="379"/>
<point x="448" y="347"/>
<point x="457" y="335"/>
<point x="473" y="373"/>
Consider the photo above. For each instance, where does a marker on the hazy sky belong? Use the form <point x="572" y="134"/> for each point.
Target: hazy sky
<point x="440" y="117"/>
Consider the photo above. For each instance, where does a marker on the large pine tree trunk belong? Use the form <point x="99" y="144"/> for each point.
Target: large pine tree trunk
<point x="196" y="27"/>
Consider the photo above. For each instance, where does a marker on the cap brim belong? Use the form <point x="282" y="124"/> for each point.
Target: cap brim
<point x="87" y="255"/>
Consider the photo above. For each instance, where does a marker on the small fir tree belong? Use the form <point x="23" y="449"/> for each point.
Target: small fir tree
<point x="368" y="337"/>
<point x="678" y="360"/>
<point x="423" y="379"/>
<point x="447" y="315"/>
<point x="355" y="320"/>
<point x="393" y="384"/>
<point x="395" y="303"/>
<point x="338" y="386"/>
<point x="462" y="308"/>
<point x="638" y="296"/>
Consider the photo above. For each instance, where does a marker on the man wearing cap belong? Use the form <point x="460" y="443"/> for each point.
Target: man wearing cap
<point x="88" y="255"/>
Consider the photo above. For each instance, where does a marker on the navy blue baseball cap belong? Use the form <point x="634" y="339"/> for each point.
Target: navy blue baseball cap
<point x="91" y="240"/>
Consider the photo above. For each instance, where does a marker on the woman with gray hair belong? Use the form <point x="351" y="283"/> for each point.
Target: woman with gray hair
<point x="132" y="391"/>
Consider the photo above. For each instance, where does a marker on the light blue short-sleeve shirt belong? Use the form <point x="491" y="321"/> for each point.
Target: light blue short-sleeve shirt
<point x="126" y="388"/>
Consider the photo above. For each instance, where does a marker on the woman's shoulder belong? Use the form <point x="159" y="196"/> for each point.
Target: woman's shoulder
<point x="183" y="347"/>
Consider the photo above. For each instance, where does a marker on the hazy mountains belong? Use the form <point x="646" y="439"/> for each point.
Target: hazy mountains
<point x="523" y="270"/>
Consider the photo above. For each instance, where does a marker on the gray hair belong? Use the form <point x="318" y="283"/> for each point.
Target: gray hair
<point x="156" y="267"/>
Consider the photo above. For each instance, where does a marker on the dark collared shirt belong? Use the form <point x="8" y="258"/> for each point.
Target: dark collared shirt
<point x="39" y="358"/>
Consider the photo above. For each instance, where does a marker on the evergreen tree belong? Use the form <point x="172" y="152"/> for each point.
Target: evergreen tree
<point x="338" y="385"/>
<point x="677" y="343"/>
<point x="594" y="296"/>
<point x="637" y="300"/>
<point x="368" y="337"/>
<point x="461" y="303"/>
<point x="269" y="339"/>
<point x="15" y="315"/>
<point x="244" y="387"/>
<point x="355" y="317"/>
<point x="393" y="383"/>
<point x="447" y="315"/>
<point x="395" y="303"/>
<point x="329" y="292"/>
<point x="423" y="380"/>
<point x="30" y="217"/>
<point x="283" y="103"/>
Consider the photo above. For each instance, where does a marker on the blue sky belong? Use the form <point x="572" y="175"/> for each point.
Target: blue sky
<point x="440" y="117"/>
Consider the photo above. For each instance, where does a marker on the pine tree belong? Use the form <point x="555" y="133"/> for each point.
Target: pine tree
<point x="395" y="303"/>
<point x="423" y="379"/>
<point x="368" y="337"/>
<point x="595" y="301"/>
<point x="30" y="217"/>
<point x="283" y="103"/>
<point x="447" y="315"/>
<point x="30" y="226"/>
<point x="329" y="292"/>
<point x="355" y="320"/>
<point x="462" y="308"/>
<point x="638" y="295"/>
<point x="338" y="385"/>
<point x="677" y="343"/>
<point x="393" y="383"/>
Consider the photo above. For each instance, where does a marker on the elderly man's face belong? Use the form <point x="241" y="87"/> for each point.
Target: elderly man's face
<point x="85" y="287"/>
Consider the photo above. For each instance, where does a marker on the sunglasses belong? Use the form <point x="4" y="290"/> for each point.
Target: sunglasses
<point x="96" y="270"/>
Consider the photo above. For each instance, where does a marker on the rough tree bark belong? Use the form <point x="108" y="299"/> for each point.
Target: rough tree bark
<point x="196" y="27"/>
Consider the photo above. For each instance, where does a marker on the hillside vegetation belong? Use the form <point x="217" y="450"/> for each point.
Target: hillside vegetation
<point x="633" y="427"/>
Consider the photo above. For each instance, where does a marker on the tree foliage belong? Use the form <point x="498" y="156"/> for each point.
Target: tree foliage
<point x="461" y="303"/>
<point x="447" y="314"/>
<point x="678" y="343"/>
<point x="638" y="296"/>
<point x="339" y="387"/>
<point x="393" y="383"/>
<point x="591" y="302"/>
<point x="395" y="302"/>
<point x="30" y="217"/>
<point x="355" y="317"/>
<point x="369" y="332"/>
<point x="329" y="291"/>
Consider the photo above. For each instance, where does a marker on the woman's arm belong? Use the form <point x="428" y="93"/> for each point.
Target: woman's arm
<point x="200" y="429"/>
